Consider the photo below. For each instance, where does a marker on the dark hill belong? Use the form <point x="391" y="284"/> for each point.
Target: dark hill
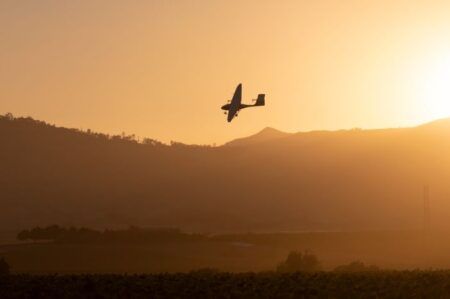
<point x="342" y="180"/>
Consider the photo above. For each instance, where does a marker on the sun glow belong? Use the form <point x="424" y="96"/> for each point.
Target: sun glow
<point x="434" y="88"/>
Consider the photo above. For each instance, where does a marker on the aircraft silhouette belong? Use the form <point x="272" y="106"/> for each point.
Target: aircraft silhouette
<point x="235" y="105"/>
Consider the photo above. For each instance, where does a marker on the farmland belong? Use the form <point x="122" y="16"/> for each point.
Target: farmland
<point x="230" y="253"/>
<point x="211" y="284"/>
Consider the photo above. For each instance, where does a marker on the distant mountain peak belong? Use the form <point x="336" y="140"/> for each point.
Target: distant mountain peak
<point x="265" y="134"/>
<point x="270" y="130"/>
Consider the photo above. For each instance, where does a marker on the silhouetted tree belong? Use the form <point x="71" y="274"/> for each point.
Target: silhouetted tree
<point x="149" y="141"/>
<point x="9" y="116"/>
<point x="24" y="235"/>
<point x="4" y="267"/>
<point x="300" y="262"/>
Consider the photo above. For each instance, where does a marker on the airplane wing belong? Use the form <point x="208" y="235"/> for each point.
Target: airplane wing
<point x="231" y="114"/>
<point x="237" y="97"/>
<point x="235" y="102"/>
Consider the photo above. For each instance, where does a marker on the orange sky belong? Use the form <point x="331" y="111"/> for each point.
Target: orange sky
<point x="162" y="69"/>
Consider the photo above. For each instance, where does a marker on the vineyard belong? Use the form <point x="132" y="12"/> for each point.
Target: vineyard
<point x="211" y="284"/>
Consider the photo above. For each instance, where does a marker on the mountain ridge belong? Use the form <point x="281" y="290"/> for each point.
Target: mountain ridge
<point x="319" y="180"/>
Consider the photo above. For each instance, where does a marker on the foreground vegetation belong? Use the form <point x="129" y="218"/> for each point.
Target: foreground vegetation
<point x="210" y="284"/>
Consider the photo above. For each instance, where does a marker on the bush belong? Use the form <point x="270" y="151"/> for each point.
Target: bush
<point x="4" y="267"/>
<point x="300" y="262"/>
<point x="356" y="266"/>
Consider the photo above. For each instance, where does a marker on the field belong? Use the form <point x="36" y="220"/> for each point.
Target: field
<point x="232" y="253"/>
<point x="384" y="284"/>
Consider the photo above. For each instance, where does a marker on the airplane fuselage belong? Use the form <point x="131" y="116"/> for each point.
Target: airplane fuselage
<point x="235" y="104"/>
<point x="241" y="106"/>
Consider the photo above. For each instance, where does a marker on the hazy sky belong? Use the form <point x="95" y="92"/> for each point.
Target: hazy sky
<point x="162" y="69"/>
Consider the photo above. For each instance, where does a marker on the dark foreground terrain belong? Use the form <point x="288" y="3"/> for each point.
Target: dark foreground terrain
<point x="384" y="284"/>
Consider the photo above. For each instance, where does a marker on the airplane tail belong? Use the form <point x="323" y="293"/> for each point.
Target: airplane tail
<point x="260" y="101"/>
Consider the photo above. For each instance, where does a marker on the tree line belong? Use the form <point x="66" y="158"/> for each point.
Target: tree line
<point x="58" y="234"/>
<point x="297" y="261"/>
<point x="127" y="138"/>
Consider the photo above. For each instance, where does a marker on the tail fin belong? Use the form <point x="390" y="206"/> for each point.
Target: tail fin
<point x="260" y="101"/>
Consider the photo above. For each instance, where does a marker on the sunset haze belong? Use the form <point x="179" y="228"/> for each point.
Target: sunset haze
<point x="162" y="69"/>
